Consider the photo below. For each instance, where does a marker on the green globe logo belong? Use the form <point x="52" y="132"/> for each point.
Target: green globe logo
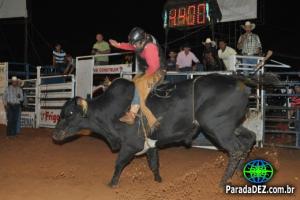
<point x="258" y="171"/>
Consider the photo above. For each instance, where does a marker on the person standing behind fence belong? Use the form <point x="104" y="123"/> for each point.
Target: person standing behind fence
<point x="210" y="57"/>
<point x="185" y="59"/>
<point x="12" y="98"/>
<point x="59" y="59"/>
<point x="249" y="44"/>
<point x="101" y="47"/>
<point x="171" y="65"/>
<point x="227" y="55"/>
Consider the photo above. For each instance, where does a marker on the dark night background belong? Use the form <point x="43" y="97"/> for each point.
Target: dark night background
<point x="75" y="23"/>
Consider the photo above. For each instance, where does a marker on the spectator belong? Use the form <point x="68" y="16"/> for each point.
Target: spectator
<point x="128" y="59"/>
<point x="227" y="55"/>
<point x="210" y="58"/>
<point x="171" y="66"/>
<point x="185" y="59"/>
<point x="70" y="69"/>
<point x="171" y="62"/>
<point x="295" y="100"/>
<point x="249" y="44"/>
<point x="101" y="47"/>
<point x="295" y="103"/>
<point x="59" y="59"/>
<point x="12" y="98"/>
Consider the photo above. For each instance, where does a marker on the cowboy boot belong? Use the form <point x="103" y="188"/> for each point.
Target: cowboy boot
<point x="129" y="117"/>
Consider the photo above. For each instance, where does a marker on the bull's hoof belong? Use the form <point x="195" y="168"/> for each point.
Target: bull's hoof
<point x="223" y="183"/>
<point x="115" y="146"/>
<point x="158" y="179"/>
<point x="188" y="142"/>
<point x="112" y="185"/>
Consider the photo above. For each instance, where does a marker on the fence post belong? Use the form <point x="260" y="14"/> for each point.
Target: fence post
<point x="27" y="70"/>
<point x="37" y="97"/>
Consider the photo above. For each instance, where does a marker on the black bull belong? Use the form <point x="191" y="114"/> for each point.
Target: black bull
<point x="219" y="104"/>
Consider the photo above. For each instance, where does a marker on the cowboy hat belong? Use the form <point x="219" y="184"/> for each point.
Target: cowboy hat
<point x="14" y="78"/>
<point x="209" y="41"/>
<point x="248" y="23"/>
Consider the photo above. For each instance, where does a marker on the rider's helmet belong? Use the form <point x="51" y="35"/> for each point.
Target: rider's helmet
<point x="136" y="35"/>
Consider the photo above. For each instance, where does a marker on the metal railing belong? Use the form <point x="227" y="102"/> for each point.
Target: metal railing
<point x="281" y="119"/>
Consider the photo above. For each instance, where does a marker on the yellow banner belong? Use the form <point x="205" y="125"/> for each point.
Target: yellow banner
<point x="3" y="85"/>
<point x="3" y="77"/>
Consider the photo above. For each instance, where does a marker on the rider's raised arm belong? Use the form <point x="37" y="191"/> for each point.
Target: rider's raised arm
<point x="126" y="46"/>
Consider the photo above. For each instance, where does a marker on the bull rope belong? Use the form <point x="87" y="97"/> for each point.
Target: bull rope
<point x="144" y="129"/>
<point x="195" y="122"/>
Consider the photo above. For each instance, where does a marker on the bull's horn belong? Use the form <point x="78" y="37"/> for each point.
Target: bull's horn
<point x="84" y="105"/>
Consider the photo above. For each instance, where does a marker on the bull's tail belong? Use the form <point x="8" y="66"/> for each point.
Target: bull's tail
<point x="266" y="79"/>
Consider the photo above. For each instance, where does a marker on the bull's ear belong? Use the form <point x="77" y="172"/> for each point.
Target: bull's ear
<point x="83" y="104"/>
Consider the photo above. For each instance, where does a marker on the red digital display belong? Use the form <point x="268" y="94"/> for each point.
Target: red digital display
<point x="188" y="15"/>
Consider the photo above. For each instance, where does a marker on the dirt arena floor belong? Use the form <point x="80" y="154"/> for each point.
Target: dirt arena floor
<point x="33" y="168"/>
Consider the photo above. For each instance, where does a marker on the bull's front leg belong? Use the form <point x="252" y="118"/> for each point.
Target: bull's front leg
<point x="125" y="156"/>
<point x="153" y="161"/>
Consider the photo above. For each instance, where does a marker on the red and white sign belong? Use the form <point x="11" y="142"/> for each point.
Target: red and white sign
<point x="49" y="117"/>
<point x="112" y="69"/>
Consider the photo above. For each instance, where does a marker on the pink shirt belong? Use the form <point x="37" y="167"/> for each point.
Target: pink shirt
<point x="184" y="60"/>
<point x="150" y="54"/>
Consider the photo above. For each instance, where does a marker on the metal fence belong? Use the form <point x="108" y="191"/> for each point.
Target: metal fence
<point x="281" y="116"/>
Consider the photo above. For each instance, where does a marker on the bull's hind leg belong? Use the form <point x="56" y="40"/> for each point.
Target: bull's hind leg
<point x="125" y="156"/>
<point x="247" y="138"/>
<point x="153" y="161"/>
<point x="235" y="150"/>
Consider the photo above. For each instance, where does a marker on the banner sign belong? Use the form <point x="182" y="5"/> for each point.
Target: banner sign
<point x="3" y="77"/>
<point x="3" y="85"/>
<point x="28" y="120"/>
<point x="112" y="69"/>
<point x="49" y="117"/>
<point x="13" y="8"/>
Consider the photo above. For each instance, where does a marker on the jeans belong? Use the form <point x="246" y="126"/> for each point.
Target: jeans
<point x="136" y="98"/>
<point x="248" y="61"/>
<point x="13" y="114"/>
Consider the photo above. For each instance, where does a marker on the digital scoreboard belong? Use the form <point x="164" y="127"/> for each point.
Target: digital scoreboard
<point x="190" y="13"/>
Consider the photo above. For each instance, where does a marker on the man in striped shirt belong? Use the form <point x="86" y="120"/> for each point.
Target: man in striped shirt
<point x="59" y="59"/>
<point x="12" y="98"/>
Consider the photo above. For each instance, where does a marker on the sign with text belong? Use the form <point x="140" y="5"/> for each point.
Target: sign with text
<point x="112" y="69"/>
<point x="3" y="85"/>
<point x="28" y="120"/>
<point x="3" y="77"/>
<point x="49" y="117"/>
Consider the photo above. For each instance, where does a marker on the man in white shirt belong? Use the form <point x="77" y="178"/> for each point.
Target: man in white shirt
<point x="185" y="59"/>
<point x="227" y="54"/>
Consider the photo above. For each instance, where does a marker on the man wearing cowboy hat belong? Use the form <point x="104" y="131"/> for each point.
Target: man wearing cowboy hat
<point x="249" y="43"/>
<point x="210" y="57"/>
<point x="12" y="98"/>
